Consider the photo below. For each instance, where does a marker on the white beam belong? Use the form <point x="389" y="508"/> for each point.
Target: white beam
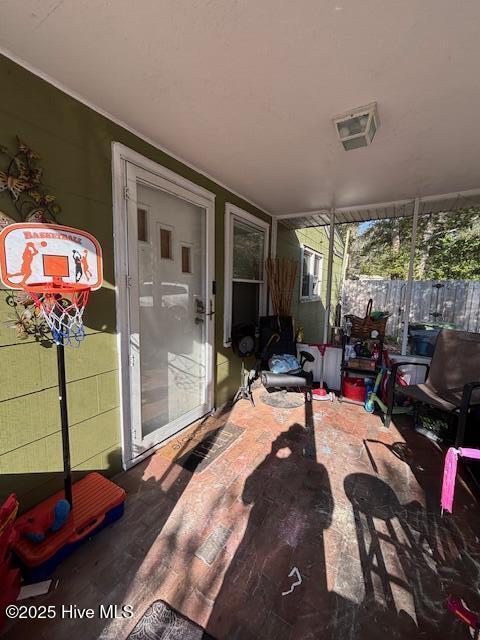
<point x="328" y="297"/>
<point x="301" y="214"/>
<point x="408" y="290"/>
<point x="273" y="254"/>
<point x="392" y="204"/>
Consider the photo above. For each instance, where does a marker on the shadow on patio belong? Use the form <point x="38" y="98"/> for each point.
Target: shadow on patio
<point x="352" y="505"/>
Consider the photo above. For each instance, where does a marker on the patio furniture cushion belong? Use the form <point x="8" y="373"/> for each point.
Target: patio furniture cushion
<point x="455" y="362"/>
<point x="423" y="393"/>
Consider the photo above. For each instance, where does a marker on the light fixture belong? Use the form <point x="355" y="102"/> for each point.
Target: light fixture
<point x="357" y="127"/>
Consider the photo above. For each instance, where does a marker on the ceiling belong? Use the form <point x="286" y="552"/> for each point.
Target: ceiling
<point x="246" y="90"/>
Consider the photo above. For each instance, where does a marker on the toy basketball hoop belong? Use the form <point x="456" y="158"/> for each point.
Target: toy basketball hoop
<point x="57" y="267"/>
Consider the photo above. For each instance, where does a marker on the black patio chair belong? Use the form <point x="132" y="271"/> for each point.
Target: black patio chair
<point x="452" y="382"/>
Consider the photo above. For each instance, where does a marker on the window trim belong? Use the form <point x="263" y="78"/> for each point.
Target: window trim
<point x="233" y="213"/>
<point x="189" y="246"/>
<point x="166" y="227"/>
<point x="313" y="254"/>
<point x="146" y="208"/>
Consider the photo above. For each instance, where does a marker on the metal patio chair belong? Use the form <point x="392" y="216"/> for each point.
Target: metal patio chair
<point x="452" y="380"/>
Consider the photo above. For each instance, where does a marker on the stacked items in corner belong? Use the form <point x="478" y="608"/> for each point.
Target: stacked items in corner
<point x="361" y="361"/>
<point x="362" y="353"/>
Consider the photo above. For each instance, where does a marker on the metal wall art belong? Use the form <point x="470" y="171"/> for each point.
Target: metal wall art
<point x="21" y="180"/>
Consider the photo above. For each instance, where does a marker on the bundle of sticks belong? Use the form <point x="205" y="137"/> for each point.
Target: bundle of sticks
<point x="281" y="274"/>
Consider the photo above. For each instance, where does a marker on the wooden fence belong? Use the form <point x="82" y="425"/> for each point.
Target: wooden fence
<point x="455" y="301"/>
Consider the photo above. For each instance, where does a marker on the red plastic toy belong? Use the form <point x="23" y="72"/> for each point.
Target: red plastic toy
<point x="9" y="576"/>
<point x="98" y="503"/>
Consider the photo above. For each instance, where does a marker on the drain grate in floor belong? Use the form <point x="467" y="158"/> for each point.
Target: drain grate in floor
<point x="161" y="622"/>
<point x="212" y="446"/>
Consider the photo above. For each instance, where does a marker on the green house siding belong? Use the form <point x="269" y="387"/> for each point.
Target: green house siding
<point x="310" y="314"/>
<point x="74" y="143"/>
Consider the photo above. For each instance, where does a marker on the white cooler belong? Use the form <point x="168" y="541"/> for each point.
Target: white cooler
<point x="331" y="370"/>
<point x="411" y="373"/>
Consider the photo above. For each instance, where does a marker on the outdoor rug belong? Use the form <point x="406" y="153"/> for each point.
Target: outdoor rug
<point x="282" y="400"/>
<point x="212" y="446"/>
<point x="161" y="622"/>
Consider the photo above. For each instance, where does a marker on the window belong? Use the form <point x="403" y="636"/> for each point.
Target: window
<point x="246" y="247"/>
<point x="165" y="243"/>
<point x="311" y="274"/>
<point x="186" y="259"/>
<point x="142" y="225"/>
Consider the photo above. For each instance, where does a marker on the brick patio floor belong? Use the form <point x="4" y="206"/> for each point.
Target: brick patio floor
<point x="353" y="506"/>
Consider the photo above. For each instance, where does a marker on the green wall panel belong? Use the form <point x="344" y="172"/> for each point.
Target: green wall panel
<point x="26" y="367"/>
<point x="82" y="398"/>
<point x="88" y="438"/>
<point x="22" y="422"/>
<point x="39" y="456"/>
<point x="97" y="354"/>
<point x="108" y="391"/>
<point x="310" y="314"/>
<point x="74" y="143"/>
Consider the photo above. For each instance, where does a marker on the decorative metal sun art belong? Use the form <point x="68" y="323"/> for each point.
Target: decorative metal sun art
<point x="21" y="181"/>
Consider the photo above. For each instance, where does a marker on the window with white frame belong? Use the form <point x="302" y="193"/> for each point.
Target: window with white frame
<point x="311" y="274"/>
<point x="246" y="247"/>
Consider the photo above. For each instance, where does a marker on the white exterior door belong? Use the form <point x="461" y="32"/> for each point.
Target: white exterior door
<point x="169" y="263"/>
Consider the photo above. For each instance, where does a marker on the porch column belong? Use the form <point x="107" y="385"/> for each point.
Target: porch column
<point x="328" y="297"/>
<point x="273" y="254"/>
<point x="408" y="290"/>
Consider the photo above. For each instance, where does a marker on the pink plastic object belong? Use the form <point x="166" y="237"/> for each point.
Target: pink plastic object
<point x="460" y="609"/>
<point x="450" y="474"/>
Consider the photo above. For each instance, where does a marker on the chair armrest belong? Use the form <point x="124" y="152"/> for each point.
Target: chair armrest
<point x="468" y="389"/>
<point x="305" y="357"/>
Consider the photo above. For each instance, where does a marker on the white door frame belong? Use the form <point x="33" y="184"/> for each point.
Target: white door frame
<point x="176" y="185"/>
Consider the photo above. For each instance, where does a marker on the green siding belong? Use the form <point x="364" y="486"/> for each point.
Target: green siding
<point x="75" y="147"/>
<point x="310" y="314"/>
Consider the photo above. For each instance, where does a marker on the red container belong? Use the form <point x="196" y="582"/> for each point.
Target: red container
<point x="354" y="389"/>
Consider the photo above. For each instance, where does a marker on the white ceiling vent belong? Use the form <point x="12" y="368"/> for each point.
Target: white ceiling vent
<point x="357" y="127"/>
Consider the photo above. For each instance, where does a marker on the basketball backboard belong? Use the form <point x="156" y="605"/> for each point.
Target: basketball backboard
<point x="36" y="253"/>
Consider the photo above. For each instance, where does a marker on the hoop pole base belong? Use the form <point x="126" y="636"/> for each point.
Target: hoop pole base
<point x="62" y="397"/>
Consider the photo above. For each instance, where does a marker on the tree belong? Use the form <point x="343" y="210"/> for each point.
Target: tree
<point x="448" y="247"/>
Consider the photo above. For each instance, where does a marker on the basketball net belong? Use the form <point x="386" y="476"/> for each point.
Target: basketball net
<point x="61" y="305"/>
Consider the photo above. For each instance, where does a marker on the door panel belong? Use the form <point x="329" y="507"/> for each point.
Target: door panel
<point x="172" y="333"/>
<point x="170" y="330"/>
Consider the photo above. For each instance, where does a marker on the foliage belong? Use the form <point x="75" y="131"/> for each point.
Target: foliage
<point x="448" y="247"/>
<point x="26" y="318"/>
